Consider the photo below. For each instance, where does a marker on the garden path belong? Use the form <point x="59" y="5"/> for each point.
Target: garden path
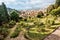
<point x="54" y="36"/>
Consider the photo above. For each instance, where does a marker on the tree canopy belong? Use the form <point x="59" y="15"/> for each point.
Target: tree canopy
<point x="4" y="17"/>
<point x="14" y="16"/>
<point x="57" y="3"/>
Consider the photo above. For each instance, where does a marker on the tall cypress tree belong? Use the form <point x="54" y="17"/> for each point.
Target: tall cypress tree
<point x="5" y="11"/>
<point x="4" y="17"/>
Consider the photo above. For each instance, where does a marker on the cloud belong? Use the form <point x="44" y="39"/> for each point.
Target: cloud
<point x="8" y="1"/>
<point x="27" y="4"/>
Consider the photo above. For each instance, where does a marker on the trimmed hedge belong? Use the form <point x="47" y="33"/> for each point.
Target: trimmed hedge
<point x="11" y="24"/>
<point x="16" y="32"/>
<point x="56" y="12"/>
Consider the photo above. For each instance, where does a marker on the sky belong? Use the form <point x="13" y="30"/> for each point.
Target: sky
<point x="27" y="4"/>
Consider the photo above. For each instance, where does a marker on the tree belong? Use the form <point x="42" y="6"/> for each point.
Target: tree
<point x="5" y="11"/>
<point x="14" y="16"/>
<point x="3" y="14"/>
<point x="57" y="3"/>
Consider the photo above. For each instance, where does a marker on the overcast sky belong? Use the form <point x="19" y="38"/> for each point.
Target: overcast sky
<point x="27" y="4"/>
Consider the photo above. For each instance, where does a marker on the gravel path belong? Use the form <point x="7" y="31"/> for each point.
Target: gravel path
<point x="54" y="36"/>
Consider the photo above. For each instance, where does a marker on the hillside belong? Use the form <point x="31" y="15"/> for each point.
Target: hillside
<point x="29" y="24"/>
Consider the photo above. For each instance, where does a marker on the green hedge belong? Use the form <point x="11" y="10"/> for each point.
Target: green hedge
<point x="16" y="32"/>
<point x="56" y="12"/>
<point x="11" y="24"/>
<point x="36" y="36"/>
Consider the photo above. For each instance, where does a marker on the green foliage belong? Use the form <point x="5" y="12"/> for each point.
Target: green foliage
<point x="56" y="12"/>
<point x="4" y="17"/>
<point x="57" y="2"/>
<point x="36" y="28"/>
<point x="35" y="36"/>
<point x="44" y="30"/>
<point x="25" y="19"/>
<point x="4" y="31"/>
<point x="11" y="24"/>
<point x="40" y="14"/>
<point x="5" y="11"/>
<point x="16" y="32"/>
<point x="41" y="24"/>
<point x="52" y="27"/>
<point x="14" y="16"/>
<point x="53" y="22"/>
<point x="50" y="8"/>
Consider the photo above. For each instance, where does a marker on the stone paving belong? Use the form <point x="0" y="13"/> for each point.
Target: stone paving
<point x="54" y="36"/>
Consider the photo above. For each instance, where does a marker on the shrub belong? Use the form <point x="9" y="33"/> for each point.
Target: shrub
<point x="35" y="23"/>
<point x="53" y="22"/>
<point x="20" y="18"/>
<point x="52" y="27"/>
<point x="4" y="31"/>
<point x="32" y="35"/>
<point x="27" y="26"/>
<point x="12" y="23"/>
<point x="41" y="24"/>
<point x="22" y="24"/>
<point x="57" y="2"/>
<point x="9" y="25"/>
<point x="56" y="6"/>
<point x="44" y="30"/>
<point x="14" y="16"/>
<point x="16" y="32"/>
<point x="36" y="36"/>
<point x="25" y="19"/>
<point x="5" y="25"/>
<point x="56" y="12"/>
<point x="50" y="8"/>
<point x="49" y="22"/>
<point x="40" y="14"/>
